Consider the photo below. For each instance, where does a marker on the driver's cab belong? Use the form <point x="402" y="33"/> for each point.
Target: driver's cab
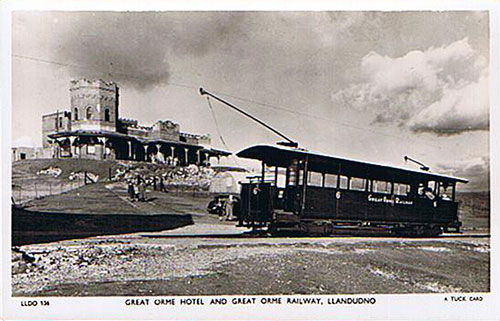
<point x="436" y="190"/>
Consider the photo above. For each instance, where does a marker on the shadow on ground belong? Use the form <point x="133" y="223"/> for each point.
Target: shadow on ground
<point x="353" y="234"/>
<point x="40" y="227"/>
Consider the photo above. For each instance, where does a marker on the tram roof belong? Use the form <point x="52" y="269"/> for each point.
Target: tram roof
<point x="281" y="156"/>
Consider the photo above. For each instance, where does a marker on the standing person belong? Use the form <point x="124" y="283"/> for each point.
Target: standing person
<point x="130" y="189"/>
<point x="142" y="191"/>
<point x="229" y="208"/>
<point x="162" y="187"/>
<point x="137" y="192"/>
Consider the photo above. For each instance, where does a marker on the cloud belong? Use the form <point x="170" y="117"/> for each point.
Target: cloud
<point x="133" y="48"/>
<point x="476" y="170"/>
<point x="458" y="110"/>
<point x="440" y="90"/>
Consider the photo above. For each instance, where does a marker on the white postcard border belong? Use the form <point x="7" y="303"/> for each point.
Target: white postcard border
<point x="407" y="306"/>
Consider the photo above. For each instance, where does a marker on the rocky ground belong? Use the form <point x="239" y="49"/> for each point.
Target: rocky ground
<point x="212" y="257"/>
<point x="38" y="178"/>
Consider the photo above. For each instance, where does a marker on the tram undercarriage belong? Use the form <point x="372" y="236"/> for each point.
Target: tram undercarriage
<point x="289" y="224"/>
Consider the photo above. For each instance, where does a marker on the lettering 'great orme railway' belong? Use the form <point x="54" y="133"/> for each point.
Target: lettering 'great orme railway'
<point x="388" y="200"/>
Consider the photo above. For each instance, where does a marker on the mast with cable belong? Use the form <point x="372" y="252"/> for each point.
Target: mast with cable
<point x="289" y="142"/>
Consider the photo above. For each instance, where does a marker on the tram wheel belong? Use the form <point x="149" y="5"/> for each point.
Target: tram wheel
<point x="435" y="231"/>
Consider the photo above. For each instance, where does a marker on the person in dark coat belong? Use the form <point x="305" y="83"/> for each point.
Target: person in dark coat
<point x="162" y="187"/>
<point x="130" y="189"/>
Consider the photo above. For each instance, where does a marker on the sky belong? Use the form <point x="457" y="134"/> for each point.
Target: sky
<point x="373" y="86"/>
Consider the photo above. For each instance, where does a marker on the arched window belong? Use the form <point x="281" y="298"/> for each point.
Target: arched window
<point x="106" y="114"/>
<point x="89" y="112"/>
<point x="76" y="113"/>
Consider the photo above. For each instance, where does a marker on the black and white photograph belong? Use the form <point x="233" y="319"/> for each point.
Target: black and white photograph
<point x="246" y="158"/>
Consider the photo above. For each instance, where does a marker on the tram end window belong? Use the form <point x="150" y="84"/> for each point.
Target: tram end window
<point x="357" y="184"/>
<point x="446" y="191"/>
<point x="427" y="189"/>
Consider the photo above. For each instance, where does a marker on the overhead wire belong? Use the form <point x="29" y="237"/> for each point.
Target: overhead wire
<point x="176" y="84"/>
<point x="219" y="132"/>
<point x="216" y="124"/>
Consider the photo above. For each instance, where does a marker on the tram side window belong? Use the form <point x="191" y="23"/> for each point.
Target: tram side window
<point x="358" y="184"/>
<point x="381" y="187"/>
<point x="401" y="189"/>
<point x="331" y="180"/>
<point x="445" y="191"/>
<point x="315" y="179"/>
<point x="432" y="186"/>
<point x="344" y="182"/>
<point x="427" y="190"/>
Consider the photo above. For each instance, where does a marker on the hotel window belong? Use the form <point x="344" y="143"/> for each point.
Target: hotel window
<point x="89" y="112"/>
<point x="106" y="114"/>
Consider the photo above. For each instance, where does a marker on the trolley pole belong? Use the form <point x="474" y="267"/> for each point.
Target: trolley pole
<point x="289" y="142"/>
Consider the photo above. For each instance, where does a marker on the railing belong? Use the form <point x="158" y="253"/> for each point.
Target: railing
<point x="25" y="192"/>
<point x="184" y="191"/>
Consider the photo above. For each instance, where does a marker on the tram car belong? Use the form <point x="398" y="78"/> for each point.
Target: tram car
<point x="323" y="195"/>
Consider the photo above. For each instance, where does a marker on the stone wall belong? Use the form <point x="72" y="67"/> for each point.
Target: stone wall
<point x="55" y="122"/>
<point x="94" y="105"/>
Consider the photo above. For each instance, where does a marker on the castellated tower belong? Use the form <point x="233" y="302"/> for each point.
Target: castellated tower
<point x="94" y="105"/>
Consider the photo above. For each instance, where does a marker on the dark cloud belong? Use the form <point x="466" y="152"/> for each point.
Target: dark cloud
<point x="476" y="170"/>
<point x="133" y="48"/>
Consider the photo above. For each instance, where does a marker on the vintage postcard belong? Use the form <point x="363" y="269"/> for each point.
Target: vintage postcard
<point x="311" y="161"/>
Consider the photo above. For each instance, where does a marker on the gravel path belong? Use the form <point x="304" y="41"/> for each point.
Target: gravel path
<point x="214" y="257"/>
